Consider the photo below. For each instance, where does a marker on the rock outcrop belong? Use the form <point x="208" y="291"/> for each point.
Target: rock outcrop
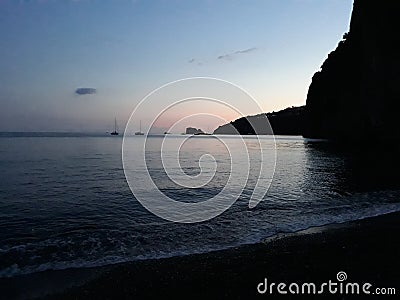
<point x="192" y="130"/>
<point x="355" y="95"/>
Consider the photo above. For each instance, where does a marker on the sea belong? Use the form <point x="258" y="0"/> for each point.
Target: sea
<point x="65" y="201"/>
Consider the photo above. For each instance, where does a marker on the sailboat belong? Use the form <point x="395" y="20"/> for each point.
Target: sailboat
<point x="140" y="131"/>
<point x="115" y="132"/>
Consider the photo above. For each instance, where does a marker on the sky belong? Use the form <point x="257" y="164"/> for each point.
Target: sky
<point x="76" y="65"/>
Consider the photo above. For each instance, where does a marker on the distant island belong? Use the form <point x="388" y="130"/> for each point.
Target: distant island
<point x="355" y="95"/>
<point x="289" y="121"/>
<point x="192" y="130"/>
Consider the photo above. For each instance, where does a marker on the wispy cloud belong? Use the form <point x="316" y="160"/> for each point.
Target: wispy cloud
<point x="246" y="50"/>
<point x="85" y="91"/>
<point x="231" y="56"/>
<point x="227" y="56"/>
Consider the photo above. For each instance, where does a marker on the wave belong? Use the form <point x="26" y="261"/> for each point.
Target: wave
<point x="89" y="259"/>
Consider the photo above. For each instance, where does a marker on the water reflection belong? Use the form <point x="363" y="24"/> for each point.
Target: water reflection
<point x="348" y="170"/>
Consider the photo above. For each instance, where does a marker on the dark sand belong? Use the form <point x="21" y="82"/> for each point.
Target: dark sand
<point x="367" y="250"/>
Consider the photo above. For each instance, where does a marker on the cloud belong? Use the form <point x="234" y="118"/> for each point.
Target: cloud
<point x="227" y="56"/>
<point x="85" y="91"/>
<point x="230" y="56"/>
<point x="246" y="50"/>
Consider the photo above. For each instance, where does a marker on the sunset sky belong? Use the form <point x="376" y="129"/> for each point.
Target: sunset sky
<point x="75" y="65"/>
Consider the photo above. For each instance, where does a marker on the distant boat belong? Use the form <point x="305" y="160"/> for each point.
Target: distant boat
<point x="140" y="131"/>
<point x="115" y="132"/>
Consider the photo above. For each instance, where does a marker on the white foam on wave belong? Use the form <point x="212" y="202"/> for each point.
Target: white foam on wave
<point x="324" y="216"/>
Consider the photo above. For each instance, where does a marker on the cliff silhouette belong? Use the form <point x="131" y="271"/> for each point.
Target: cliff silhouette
<point x="355" y="95"/>
<point x="285" y="122"/>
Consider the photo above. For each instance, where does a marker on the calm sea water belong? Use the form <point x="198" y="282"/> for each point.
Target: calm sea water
<point x="64" y="200"/>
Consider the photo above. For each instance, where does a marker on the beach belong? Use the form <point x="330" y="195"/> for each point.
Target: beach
<point x="366" y="250"/>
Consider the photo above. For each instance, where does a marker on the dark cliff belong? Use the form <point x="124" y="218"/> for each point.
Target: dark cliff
<point x="355" y="95"/>
<point x="285" y="122"/>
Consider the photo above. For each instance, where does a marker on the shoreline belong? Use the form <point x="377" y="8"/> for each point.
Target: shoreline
<point x="366" y="249"/>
